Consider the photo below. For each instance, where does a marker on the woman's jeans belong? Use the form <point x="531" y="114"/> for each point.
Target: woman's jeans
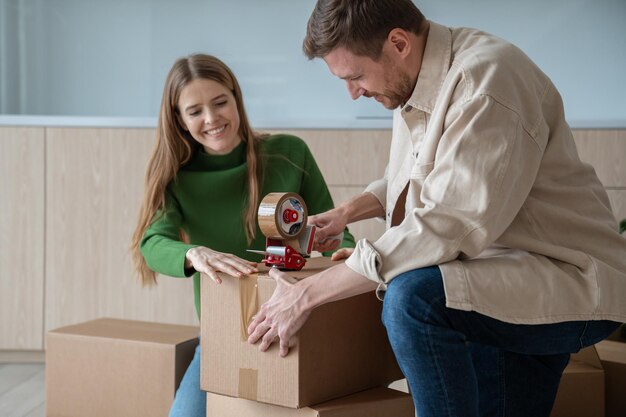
<point x="190" y="401"/>
<point x="461" y="363"/>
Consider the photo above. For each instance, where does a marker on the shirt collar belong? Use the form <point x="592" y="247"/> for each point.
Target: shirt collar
<point x="435" y="67"/>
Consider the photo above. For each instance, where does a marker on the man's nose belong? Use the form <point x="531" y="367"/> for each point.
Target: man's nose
<point x="354" y="90"/>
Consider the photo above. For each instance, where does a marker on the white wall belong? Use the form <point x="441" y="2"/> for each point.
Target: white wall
<point x="110" y="58"/>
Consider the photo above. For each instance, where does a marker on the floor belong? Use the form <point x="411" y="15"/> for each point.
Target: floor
<point x="22" y="390"/>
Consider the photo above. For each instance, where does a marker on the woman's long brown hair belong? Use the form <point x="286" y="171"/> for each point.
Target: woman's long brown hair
<point x="175" y="147"/>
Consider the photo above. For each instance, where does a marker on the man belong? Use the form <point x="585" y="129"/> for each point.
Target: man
<point x="501" y="254"/>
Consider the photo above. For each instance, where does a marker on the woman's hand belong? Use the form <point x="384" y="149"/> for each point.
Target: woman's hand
<point x="210" y="262"/>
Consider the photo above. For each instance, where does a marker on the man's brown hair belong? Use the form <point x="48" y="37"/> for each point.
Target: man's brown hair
<point x="360" y="26"/>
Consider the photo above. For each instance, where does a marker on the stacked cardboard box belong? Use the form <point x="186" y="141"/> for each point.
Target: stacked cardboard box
<point x="341" y="350"/>
<point x="612" y="352"/>
<point x="377" y="402"/>
<point x="111" y="367"/>
<point x="581" y="392"/>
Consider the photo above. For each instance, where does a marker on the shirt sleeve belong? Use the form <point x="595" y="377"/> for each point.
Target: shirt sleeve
<point x="317" y="196"/>
<point x="379" y="189"/>
<point x="485" y="165"/>
<point x="161" y="246"/>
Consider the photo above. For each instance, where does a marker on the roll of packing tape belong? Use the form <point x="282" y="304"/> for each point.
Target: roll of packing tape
<point x="282" y="215"/>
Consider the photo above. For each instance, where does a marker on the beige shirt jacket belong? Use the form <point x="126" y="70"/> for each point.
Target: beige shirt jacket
<point x="485" y="181"/>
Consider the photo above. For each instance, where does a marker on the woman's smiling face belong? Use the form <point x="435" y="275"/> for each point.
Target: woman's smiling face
<point x="208" y="111"/>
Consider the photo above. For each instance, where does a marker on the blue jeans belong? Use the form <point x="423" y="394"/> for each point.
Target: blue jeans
<point x="190" y="401"/>
<point x="462" y="363"/>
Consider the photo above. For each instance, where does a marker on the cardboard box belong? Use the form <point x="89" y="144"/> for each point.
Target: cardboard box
<point x="120" y="368"/>
<point x="581" y="392"/>
<point x="612" y="352"/>
<point x="342" y="348"/>
<point x="378" y="402"/>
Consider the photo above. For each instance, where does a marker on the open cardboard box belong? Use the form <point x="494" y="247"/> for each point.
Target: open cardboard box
<point x="377" y="402"/>
<point x="612" y="352"/>
<point x="111" y="367"/>
<point x="342" y="348"/>
<point x="581" y="392"/>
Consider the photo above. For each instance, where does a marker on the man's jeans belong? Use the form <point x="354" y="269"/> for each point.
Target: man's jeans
<point x="460" y="363"/>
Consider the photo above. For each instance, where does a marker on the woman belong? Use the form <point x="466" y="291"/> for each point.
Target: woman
<point x="204" y="182"/>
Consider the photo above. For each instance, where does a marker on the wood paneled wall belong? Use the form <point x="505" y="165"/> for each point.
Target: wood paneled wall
<point x="94" y="187"/>
<point x="605" y="150"/>
<point x="69" y="203"/>
<point x="22" y="236"/>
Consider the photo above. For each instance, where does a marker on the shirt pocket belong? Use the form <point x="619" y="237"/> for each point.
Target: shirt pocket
<point x="421" y="171"/>
<point x="418" y="175"/>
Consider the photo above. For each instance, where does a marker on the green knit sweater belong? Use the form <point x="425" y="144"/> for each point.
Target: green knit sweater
<point x="208" y="197"/>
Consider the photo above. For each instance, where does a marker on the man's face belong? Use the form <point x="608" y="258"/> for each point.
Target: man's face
<point x="383" y="79"/>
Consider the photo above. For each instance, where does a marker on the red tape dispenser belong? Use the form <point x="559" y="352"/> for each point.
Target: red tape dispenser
<point x="282" y="218"/>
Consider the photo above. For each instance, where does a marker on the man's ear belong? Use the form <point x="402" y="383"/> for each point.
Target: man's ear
<point x="400" y="42"/>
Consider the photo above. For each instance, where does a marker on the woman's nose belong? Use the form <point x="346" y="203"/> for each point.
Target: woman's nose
<point x="209" y="117"/>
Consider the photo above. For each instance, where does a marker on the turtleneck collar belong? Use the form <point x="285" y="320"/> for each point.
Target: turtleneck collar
<point x="203" y="161"/>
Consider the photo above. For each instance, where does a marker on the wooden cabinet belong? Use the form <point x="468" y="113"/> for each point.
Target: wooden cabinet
<point x="605" y="150"/>
<point x="94" y="187"/>
<point x="22" y="237"/>
<point x="349" y="157"/>
<point x="70" y="199"/>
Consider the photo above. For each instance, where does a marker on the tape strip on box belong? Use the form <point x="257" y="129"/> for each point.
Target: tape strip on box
<point x="248" y="382"/>
<point x="249" y="302"/>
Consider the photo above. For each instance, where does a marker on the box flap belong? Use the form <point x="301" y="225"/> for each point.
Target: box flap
<point x="588" y="355"/>
<point x="353" y="405"/>
<point x="612" y="349"/>
<point x="312" y="267"/>
<point x="378" y="402"/>
<point x="170" y="334"/>
<point x="248" y="287"/>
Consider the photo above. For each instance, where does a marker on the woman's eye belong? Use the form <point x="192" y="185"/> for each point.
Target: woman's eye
<point x="194" y="113"/>
<point x="221" y="103"/>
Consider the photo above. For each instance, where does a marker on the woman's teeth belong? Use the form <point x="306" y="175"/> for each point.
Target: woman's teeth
<point x="216" y="131"/>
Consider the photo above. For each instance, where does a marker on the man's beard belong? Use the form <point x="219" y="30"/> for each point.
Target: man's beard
<point x="400" y="90"/>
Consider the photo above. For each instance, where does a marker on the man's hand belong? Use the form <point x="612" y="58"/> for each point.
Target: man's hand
<point x="330" y="226"/>
<point x="333" y="222"/>
<point x="289" y="307"/>
<point x="342" y="253"/>
<point x="208" y="261"/>
<point x="281" y="316"/>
